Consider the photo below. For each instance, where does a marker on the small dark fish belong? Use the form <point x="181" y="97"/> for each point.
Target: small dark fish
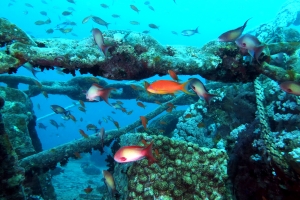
<point x="99" y="122"/>
<point x="73" y="24"/>
<point x="147" y="3"/>
<point x="66" y="30"/>
<point x="66" y="13"/>
<point x="153" y="26"/>
<point x="62" y="125"/>
<point x="82" y="103"/>
<point x="44" y="2"/>
<point x="38" y="106"/>
<point x="115" y="16"/>
<point x="25" y="12"/>
<point x="74" y="34"/>
<point x="28" y="5"/>
<point x="174" y="32"/>
<point x="56" y="171"/>
<point x="59" y="110"/>
<point x="189" y="32"/>
<point x="104" y="5"/>
<point x="232" y="35"/>
<point x="48" y="21"/>
<point x="71" y="1"/>
<point x="43" y="13"/>
<point x="100" y="21"/>
<point x="133" y="7"/>
<point x="279" y="59"/>
<point x="39" y="22"/>
<point x="146" y="32"/>
<point x="81" y="109"/>
<point x="81" y="119"/>
<point x="151" y="8"/>
<point x="71" y="9"/>
<point x="91" y="127"/>
<point x="45" y="94"/>
<point x="54" y="123"/>
<point x="134" y="23"/>
<point x="42" y="126"/>
<point x="49" y="31"/>
<point x="86" y="19"/>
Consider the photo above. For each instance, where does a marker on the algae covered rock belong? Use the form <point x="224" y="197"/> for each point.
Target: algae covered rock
<point x="173" y="176"/>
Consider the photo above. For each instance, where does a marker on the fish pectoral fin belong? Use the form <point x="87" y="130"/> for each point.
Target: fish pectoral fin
<point x="96" y="99"/>
<point x="123" y="159"/>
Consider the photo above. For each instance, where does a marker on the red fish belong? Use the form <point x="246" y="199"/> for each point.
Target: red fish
<point x="291" y="87"/>
<point x="173" y="75"/>
<point x="167" y="87"/>
<point x="144" y="121"/>
<point x="134" y="153"/>
<point x="252" y="44"/>
<point x="97" y="91"/>
<point x="232" y="35"/>
<point x="200" y="90"/>
<point x="98" y="37"/>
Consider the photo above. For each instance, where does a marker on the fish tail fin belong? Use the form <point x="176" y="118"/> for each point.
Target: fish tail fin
<point x="34" y="72"/>
<point x="104" y="94"/>
<point x="149" y="155"/>
<point x="196" y="30"/>
<point x="107" y="25"/>
<point x="185" y="86"/>
<point x="245" y="24"/>
<point x="104" y="49"/>
<point x="257" y="51"/>
<point x="207" y="97"/>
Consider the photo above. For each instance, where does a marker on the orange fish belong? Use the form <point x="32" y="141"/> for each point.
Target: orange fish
<point x="200" y="125"/>
<point x="200" y="90"/>
<point x="157" y="102"/>
<point x="187" y="116"/>
<point x="144" y="121"/>
<point x="156" y="153"/>
<point x="116" y="124"/>
<point x="77" y="155"/>
<point x="169" y="109"/>
<point x="171" y="105"/>
<point x="83" y="133"/>
<point x="144" y="142"/>
<point x="88" y="190"/>
<point x="110" y="182"/>
<point x="141" y="104"/>
<point x="163" y="122"/>
<point x="168" y="87"/>
<point x="173" y="75"/>
<point x="291" y="87"/>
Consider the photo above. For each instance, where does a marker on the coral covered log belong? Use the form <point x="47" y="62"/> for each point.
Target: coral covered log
<point x="135" y="56"/>
<point x="74" y="87"/>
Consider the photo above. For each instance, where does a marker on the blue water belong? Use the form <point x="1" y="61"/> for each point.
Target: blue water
<point x="212" y="17"/>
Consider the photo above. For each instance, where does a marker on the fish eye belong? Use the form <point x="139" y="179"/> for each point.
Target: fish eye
<point x="244" y="44"/>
